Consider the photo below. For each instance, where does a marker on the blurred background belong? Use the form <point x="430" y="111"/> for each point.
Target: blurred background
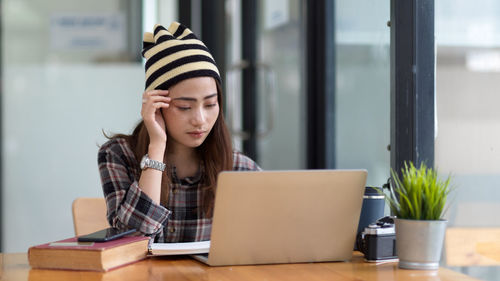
<point x="72" y="69"/>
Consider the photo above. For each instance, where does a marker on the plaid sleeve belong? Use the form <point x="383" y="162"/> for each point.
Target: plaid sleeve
<point x="244" y="163"/>
<point x="127" y="205"/>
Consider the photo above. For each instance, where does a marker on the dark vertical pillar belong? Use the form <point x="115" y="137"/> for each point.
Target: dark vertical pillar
<point x="320" y="84"/>
<point x="213" y="31"/>
<point x="184" y="8"/>
<point x="249" y="75"/>
<point x="412" y="82"/>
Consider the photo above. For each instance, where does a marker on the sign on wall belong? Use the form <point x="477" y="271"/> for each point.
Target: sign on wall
<point x="88" y="31"/>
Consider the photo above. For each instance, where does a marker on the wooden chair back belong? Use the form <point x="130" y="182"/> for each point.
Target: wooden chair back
<point x="89" y="215"/>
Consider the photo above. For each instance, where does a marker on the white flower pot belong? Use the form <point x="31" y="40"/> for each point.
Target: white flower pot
<point x="419" y="243"/>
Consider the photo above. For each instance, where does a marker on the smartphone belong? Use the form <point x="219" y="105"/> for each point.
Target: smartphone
<point x="105" y="235"/>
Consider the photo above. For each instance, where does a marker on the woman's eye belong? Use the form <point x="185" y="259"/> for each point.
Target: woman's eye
<point x="211" y="105"/>
<point x="183" y="108"/>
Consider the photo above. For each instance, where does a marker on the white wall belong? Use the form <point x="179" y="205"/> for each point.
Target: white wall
<point x="55" y="104"/>
<point x="52" y="121"/>
<point x="55" y="101"/>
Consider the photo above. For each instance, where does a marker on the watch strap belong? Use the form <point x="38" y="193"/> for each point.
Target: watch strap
<point x="147" y="162"/>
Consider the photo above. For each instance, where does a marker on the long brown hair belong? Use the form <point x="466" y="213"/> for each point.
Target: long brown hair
<point x="216" y="154"/>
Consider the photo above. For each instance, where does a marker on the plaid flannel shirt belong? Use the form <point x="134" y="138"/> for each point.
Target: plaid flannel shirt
<point x="128" y="207"/>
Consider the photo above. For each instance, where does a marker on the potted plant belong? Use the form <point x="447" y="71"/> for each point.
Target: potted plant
<point x="417" y="199"/>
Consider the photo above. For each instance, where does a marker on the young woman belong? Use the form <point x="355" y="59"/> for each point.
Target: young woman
<point x="161" y="179"/>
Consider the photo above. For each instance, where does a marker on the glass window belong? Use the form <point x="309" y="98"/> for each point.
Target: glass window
<point x="362" y="100"/>
<point x="468" y="119"/>
<point x="281" y="121"/>
<point x="467" y="143"/>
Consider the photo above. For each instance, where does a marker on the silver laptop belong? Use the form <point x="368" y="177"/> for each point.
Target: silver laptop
<point x="285" y="216"/>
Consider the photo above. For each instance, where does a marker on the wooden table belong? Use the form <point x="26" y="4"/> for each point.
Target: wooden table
<point x="472" y="246"/>
<point x="15" y="267"/>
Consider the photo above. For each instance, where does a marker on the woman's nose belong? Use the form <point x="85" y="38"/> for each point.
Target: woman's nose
<point x="198" y="117"/>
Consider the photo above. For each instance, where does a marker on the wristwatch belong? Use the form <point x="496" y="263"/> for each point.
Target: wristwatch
<point x="146" y="162"/>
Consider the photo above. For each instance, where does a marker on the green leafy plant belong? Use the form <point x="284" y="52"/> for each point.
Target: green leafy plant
<point x="419" y="194"/>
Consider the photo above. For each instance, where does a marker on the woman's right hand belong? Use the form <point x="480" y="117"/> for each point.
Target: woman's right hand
<point x="152" y="103"/>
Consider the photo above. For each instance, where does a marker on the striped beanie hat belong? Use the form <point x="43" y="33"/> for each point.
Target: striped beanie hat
<point x="174" y="55"/>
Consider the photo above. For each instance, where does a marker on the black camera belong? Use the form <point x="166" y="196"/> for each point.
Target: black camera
<point x="378" y="241"/>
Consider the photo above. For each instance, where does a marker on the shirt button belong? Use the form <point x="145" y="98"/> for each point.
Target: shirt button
<point x="175" y="191"/>
<point x="172" y="230"/>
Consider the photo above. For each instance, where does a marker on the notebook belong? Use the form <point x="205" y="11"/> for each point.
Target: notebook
<point x="273" y="217"/>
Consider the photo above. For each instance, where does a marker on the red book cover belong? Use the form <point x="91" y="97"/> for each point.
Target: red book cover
<point x="95" y="256"/>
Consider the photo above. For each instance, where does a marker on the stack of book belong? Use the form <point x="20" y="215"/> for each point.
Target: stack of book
<point x="93" y="256"/>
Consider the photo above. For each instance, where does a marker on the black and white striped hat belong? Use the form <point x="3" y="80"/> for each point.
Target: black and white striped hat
<point x="174" y="55"/>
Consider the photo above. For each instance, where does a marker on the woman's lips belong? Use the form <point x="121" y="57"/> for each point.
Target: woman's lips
<point x="196" y="134"/>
